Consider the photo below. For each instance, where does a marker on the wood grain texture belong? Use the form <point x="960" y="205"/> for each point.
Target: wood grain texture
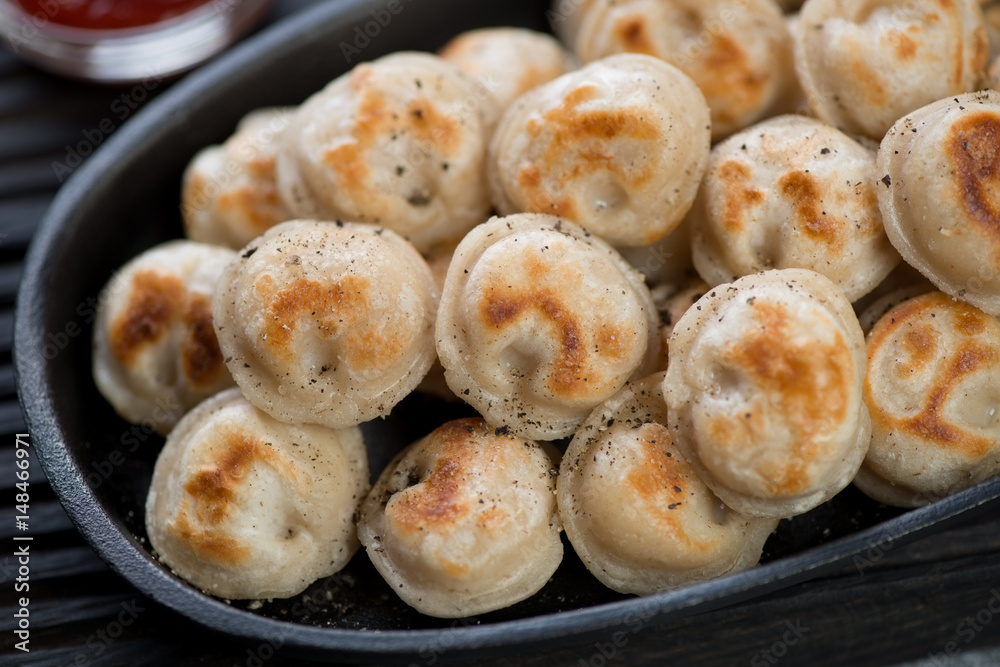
<point x="924" y="600"/>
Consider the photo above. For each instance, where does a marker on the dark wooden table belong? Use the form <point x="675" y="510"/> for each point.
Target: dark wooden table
<point x="936" y="601"/>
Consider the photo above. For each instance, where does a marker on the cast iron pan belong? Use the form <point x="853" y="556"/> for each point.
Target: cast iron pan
<point x="126" y="198"/>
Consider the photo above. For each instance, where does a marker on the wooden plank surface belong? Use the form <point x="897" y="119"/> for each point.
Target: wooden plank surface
<point x="934" y="601"/>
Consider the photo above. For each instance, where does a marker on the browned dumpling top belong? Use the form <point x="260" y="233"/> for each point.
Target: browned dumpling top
<point x="464" y="520"/>
<point x="540" y="322"/>
<point x="618" y="146"/>
<point x="247" y="507"/>
<point x="763" y="391"/>
<point x="738" y="52"/>
<point x="508" y="61"/>
<point x="791" y="192"/>
<point x="637" y="514"/>
<point x="864" y="64"/>
<point x="933" y="390"/>
<point x="327" y="323"/>
<point x="939" y="168"/>
<point x="155" y="353"/>
<point x="229" y="194"/>
<point x="399" y="142"/>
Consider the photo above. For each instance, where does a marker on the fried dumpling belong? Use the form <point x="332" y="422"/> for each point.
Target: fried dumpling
<point x="738" y="52"/>
<point x="933" y="391"/>
<point x="636" y="513"/>
<point x="399" y="142"/>
<point x="763" y="391"/>
<point x="464" y="520"/>
<point x="618" y="146"/>
<point x="939" y="168"/>
<point x="155" y="353"/>
<point x="508" y="61"/>
<point x="229" y="194"/>
<point x="791" y="192"/>
<point x="863" y="64"/>
<point x="247" y="507"/>
<point x="540" y="322"/>
<point x="327" y="323"/>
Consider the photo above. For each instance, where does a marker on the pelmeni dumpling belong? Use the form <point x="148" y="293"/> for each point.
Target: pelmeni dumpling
<point x="636" y="513"/>
<point x="464" y="520"/>
<point x="399" y="142"/>
<point x="229" y="194"/>
<point x="791" y="192"/>
<point x="247" y="507"/>
<point x="738" y="52"/>
<point x="327" y="323"/>
<point x="940" y="168"/>
<point x="508" y="61"/>
<point x="540" y="322"/>
<point x="155" y="354"/>
<point x="933" y="391"/>
<point x="763" y="391"/>
<point x="863" y="64"/>
<point x="618" y="146"/>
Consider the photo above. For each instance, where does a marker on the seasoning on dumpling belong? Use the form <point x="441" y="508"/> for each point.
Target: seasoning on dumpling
<point x="398" y="142"/>
<point x="327" y="323"/>
<point x="155" y="354"/>
<point x="540" y="322"/>
<point x="863" y="64"/>
<point x="636" y="513"/>
<point x="618" y="146"/>
<point x="940" y="169"/>
<point x="933" y="391"/>
<point x="791" y="192"/>
<point x="508" y="61"/>
<point x="763" y="392"/>
<point x="464" y="520"/>
<point x="229" y="194"/>
<point x="247" y="507"/>
<point x="738" y="52"/>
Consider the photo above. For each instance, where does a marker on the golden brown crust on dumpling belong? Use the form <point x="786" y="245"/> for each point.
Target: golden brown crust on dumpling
<point x="618" y="146"/>
<point x="940" y="168"/>
<point x="155" y="353"/>
<point x="865" y="64"/>
<point x="246" y="507"/>
<point x="637" y="514"/>
<point x="933" y="391"/>
<point x="327" y="323"/>
<point x="508" y="61"/>
<point x="540" y="322"/>
<point x="464" y="520"/>
<point x="791" y="192"/>
<point x="763" y="390"/>
<point x="738" y="52"/>
<point x="229" y="194"/>
<point x="399" y="142"/>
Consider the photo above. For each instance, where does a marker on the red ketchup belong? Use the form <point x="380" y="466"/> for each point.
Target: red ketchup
<point x="109" y="14"/>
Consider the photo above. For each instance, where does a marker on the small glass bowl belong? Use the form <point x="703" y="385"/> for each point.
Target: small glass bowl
<point x="127" y="55"/>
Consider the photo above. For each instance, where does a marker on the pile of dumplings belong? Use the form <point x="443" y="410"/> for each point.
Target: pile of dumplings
<point x="693" y="268"/>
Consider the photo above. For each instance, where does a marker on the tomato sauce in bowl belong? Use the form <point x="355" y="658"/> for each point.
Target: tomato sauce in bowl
<point x="124" y="41"/>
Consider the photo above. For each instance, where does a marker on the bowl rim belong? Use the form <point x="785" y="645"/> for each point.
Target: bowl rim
<point x="126" y="557"/>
